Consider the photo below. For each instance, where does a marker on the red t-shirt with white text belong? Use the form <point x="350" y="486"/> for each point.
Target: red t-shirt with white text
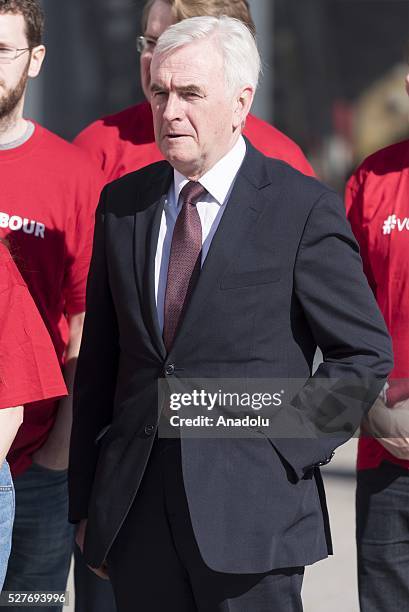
<point x="125" y="142"/>
<point x="49" y="193"/>
<point x="377" y="201"/>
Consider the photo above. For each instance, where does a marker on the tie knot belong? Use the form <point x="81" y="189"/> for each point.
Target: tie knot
<point x="192" y="192"/>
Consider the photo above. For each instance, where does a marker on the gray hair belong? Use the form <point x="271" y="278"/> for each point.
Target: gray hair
<point x="242" y="63"/>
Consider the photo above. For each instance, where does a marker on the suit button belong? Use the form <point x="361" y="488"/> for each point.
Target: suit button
<point x="149" y="429"/>
<point x="170" y="369"/>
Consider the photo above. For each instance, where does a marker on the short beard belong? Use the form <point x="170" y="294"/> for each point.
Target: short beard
<point x="11" y="99"/>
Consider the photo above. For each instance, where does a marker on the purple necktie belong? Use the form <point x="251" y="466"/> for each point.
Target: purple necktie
<point x="184" y="261"/>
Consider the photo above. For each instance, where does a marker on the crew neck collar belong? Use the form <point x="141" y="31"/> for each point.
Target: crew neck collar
<point x="17" y="142"/>
<point x="26" y="147"/>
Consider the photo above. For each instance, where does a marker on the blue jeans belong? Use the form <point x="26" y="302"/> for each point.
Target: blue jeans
<point x="6" y="518"/>
<point x="42" y="537"/>
<point x="382" y="521"/>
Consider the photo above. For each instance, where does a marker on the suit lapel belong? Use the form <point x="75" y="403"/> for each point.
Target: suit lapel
<point x="147" y="225"/>
<point x="242" y="212"/>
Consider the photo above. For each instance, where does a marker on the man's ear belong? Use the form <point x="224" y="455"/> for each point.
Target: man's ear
<point x="36" y="61"/>
<point x="243" y="102"/>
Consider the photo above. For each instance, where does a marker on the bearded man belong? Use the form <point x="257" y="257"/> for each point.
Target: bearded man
<point x="49" y="191"/>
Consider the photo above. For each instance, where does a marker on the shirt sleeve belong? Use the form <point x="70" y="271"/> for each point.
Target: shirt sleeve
<point x="80" y="238"/>
<point x="29" y="368"/>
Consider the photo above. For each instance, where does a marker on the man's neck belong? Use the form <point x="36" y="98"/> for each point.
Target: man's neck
<point x="197" y="173"/>
<point x="12" y="128"/>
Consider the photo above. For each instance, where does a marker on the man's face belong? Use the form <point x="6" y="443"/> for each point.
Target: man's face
<point x="13" y="76"/>
<point x="160" y="18"/>
<point x="196" y="119"/>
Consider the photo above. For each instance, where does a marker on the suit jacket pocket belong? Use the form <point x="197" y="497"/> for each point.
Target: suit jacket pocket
<point x="250" y="278"/>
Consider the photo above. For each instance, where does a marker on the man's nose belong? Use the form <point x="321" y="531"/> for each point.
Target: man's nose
<point x="173" y="109"/>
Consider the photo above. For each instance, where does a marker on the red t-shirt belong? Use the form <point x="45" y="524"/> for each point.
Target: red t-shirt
<point x="29" y="369"/>
<point x="377" y="201"/>
<point x="49" y="192"/>
<point x="125" y="142"/>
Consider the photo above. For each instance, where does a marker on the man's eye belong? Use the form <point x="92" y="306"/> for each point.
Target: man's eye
<point x="149" y="44"/>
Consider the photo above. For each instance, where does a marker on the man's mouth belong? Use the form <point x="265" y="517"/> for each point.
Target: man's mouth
<point x="174" y="136"/>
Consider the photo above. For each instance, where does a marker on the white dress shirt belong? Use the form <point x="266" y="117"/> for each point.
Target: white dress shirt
<point x="218" y="182"/>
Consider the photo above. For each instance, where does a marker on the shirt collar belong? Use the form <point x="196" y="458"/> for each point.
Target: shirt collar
<point x="219" y="179"/>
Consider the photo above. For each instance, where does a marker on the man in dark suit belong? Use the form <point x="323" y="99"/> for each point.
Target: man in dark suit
<point x="217" y="264"/>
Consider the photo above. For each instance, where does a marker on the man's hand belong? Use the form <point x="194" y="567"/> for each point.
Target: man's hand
<point x="80" y="534"/>
<point x="102" y="571"/>
<point x="390" y="427"/>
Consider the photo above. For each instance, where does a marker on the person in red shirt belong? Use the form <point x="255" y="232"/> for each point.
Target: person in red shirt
<point x="49" y="192"/>
<point x="29" y="371"/>
<point x="124" y="142"/>
<point x="377" y="201"/>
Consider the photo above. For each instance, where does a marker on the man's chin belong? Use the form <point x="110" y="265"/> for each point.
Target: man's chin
<point x="6" y="115"/>
<point x="182" y="164"/>
<point x="177" y="154"/>
<point x="10" y="102"/>
<point x="11" y="99"/>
